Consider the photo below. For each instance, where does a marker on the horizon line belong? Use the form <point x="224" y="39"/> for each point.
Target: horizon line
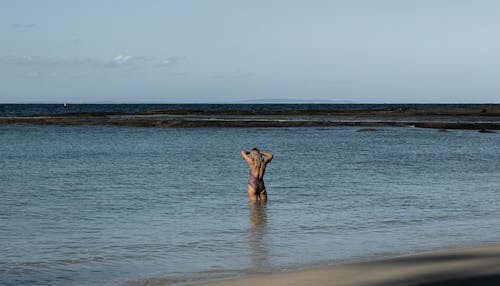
<point x="250" y="103"/>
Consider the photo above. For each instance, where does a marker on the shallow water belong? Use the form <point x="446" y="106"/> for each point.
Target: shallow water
<point x="92" y="205"/>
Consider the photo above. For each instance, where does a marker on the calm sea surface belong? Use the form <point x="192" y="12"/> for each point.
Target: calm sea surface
<point x="100" y="205"/>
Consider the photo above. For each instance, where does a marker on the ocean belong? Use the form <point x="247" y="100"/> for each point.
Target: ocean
<point x="107" y="205"/>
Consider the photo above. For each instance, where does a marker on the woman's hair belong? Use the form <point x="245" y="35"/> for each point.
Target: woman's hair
<point x="256" y="156"/>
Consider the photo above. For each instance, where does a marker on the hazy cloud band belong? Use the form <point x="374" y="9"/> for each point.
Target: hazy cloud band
<point x="116" y="61"/>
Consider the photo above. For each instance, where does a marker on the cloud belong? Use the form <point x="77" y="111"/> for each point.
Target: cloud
<point x="170" y="61"/>
<point x="53" y="61"/>
<point x="238" y="74"/>
<point x="32" y="74"/>
<point x="23" y="25"/>
<point x="119" y="60"/>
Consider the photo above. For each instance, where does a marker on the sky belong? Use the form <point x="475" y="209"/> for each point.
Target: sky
<point x="124" y="51"/>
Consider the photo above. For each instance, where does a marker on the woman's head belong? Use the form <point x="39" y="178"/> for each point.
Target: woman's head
<point x="256" y="156"/>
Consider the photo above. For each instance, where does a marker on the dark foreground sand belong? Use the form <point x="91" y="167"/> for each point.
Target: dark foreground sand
<point x="472" y="266"/>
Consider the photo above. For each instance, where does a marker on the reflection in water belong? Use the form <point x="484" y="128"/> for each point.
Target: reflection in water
<point x="255" y="239"/>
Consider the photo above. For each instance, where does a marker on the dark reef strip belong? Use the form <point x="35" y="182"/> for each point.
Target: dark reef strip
<point x="483" y="111"/>
<point x="168" y="123"/>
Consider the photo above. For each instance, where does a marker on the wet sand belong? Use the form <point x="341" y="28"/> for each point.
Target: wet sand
<point x="471" y="266"/>
<point x="481" y="118"/>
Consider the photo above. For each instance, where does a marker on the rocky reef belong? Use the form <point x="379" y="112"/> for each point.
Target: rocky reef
<point x="485" y="118"/>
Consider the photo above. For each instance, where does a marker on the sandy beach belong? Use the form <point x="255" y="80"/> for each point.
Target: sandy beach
<point x="469" y="266"/>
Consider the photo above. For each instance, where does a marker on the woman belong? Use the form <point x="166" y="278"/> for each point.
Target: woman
<point x="257" y="163"/>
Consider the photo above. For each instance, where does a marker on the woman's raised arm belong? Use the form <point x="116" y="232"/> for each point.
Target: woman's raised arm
<point x="245" y="156"/>
<point x="267" y="156"/>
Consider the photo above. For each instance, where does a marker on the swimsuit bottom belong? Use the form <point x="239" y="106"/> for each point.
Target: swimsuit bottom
<point x="257" y="185"/>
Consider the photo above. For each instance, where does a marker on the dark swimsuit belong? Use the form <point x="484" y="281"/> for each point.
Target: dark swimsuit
<point x="256" y="184"/>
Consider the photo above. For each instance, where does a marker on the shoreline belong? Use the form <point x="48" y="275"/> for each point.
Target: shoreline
<point x="443" y="118"/>
<point x="464" y="266"/>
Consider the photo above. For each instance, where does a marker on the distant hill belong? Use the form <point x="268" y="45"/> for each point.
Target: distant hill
<point x="293" y="101"/>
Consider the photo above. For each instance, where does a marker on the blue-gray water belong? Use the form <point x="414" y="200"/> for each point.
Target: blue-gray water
<point x="92" y="205"/>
